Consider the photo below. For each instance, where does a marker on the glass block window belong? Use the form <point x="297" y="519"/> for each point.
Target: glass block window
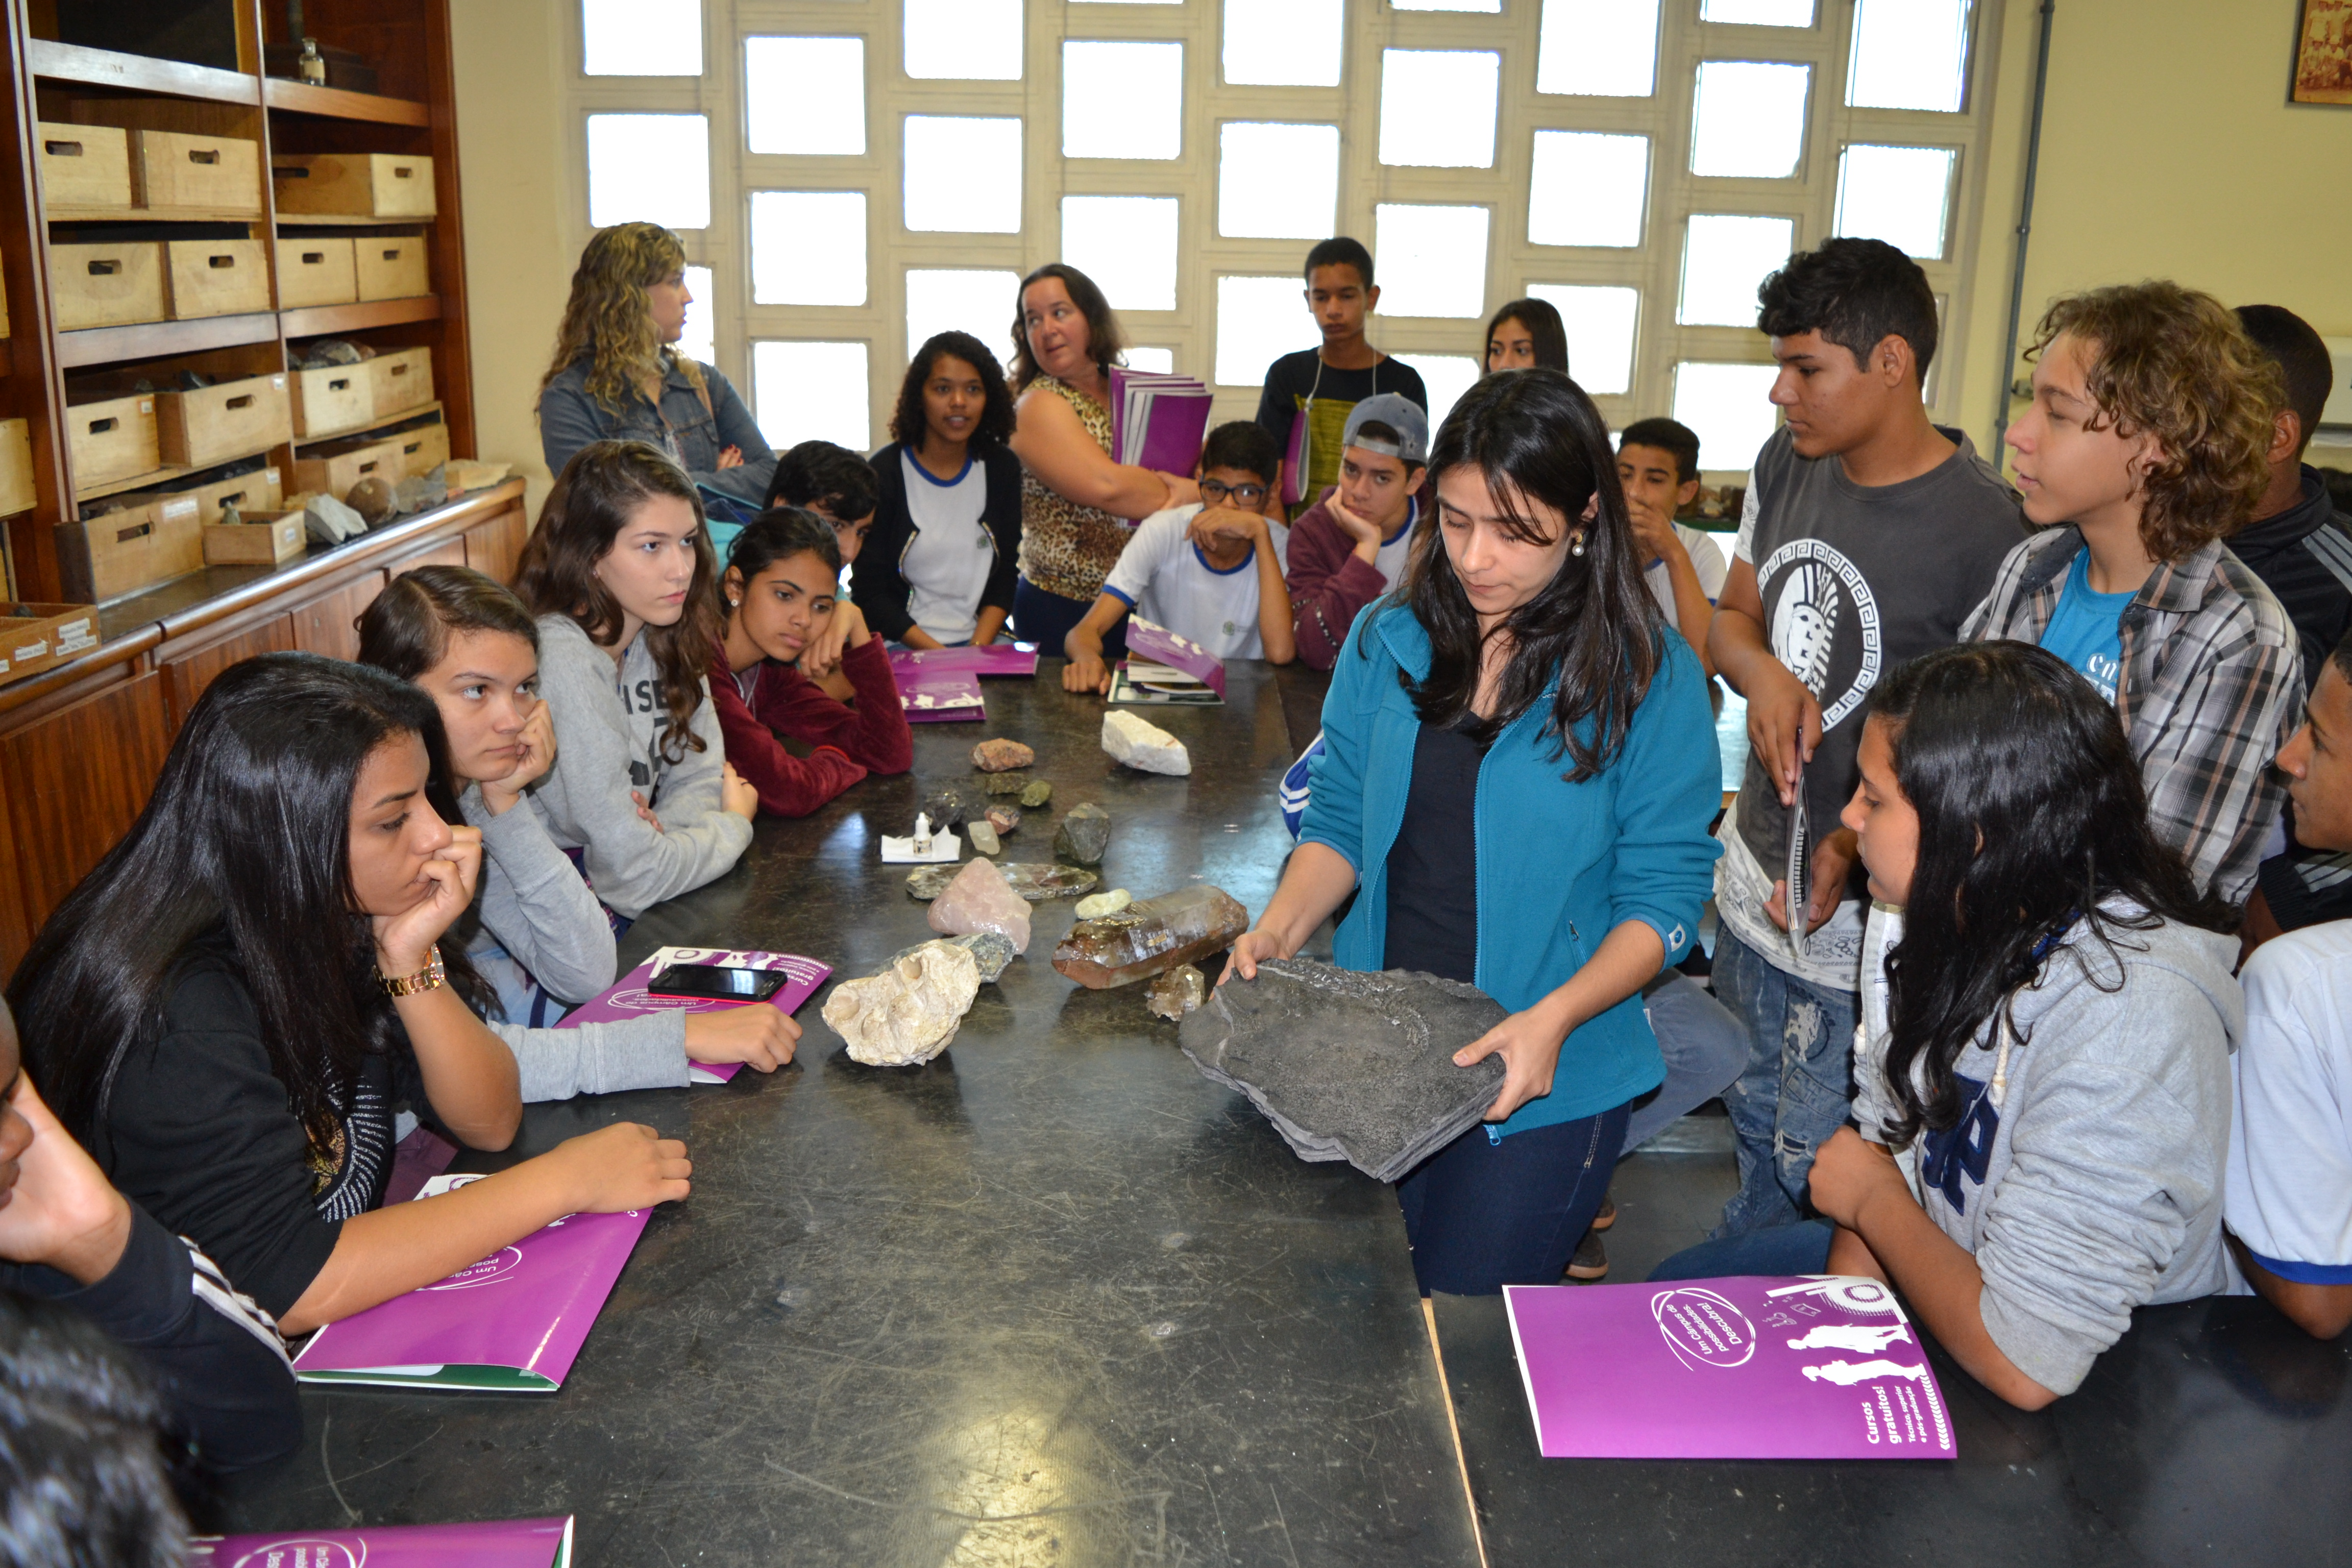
<point x="1139" y="357"/>
<point x="1259" y="319"/>
<point x="808" y="248"/>
<point x="1758" y="13"/>
<point x="1282" y="43"/>
<point x="649" y="168"/>
<point x="1598" y="48"/>
<point x="980" y="303"/>
<point x="1601" y="320"/>
<point x="1276" y="181"/>
<point x="1748" y="119"/>
<point x="1489" y="6"/>
<point x="962" y="175"/>
<point x="641" y="38"/>
<point x="1725" y="257"/>
<point x="699" y="340"/>
<point x="1437" y="108"/>
<point x="811" y="392"/>
<point x="1127" y="245"/>
<point x="1909" y="54"/>
<point x="1122" y="100"/>
<point x="805" y="96"/>
<point x="1729" y="407"/>
<point x="1445" y="378"/>
<point x="1899" y="195"/>
<point x="1431" y="260"/>
<point x="963" y="40"/>
<point x="1587" y="187"/>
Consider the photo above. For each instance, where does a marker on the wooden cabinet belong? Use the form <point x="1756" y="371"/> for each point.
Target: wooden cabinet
<point x="495" y="548"/>
<point x="442" y="552"/>
<point x="325" y="624"/>
<point x="74" y="780"/>
<point x="189" y="672"/>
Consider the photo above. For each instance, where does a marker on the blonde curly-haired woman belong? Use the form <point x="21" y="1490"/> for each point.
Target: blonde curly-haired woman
<point x="615" y="375"/>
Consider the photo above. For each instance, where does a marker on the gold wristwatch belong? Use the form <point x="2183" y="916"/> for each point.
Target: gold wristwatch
<point x="429" y="978"/>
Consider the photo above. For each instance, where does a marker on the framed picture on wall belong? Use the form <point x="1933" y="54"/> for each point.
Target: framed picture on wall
<point x="2323" y="53"/>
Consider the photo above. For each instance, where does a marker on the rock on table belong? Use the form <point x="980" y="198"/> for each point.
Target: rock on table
<point x="1000" y="755"/>
<point x="905" y="1015"/>
<point x="1144" y="745"/>
<point x="1083" y="834"/>
<point x="1150" y="937"/>
<point x="1036" y="881"/>
<point x="979" y="899"/>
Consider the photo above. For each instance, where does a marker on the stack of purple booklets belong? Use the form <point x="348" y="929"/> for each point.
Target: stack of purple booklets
<point x="511" y="1543"/>
<point x="941" y="685"/>
<point x="1754" y="1367"/>
<point x="628" y="998"/>
<point x="514" y="1321"/>
<point x="1158" y="420"/>
<point x="1180" y="654"/>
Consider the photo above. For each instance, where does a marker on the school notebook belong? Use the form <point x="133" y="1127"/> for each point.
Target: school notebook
<point x="508" y="1543"/>
<point x="628" y="998"/>
<point x="1146" y="685"/>
<point x="1753" y="1367"/>
<point x="933" y="691"/>
<point x="995" y="659"/>
<point x="1183" y="656"/>
<point x="1158" y="420"/>
<point x="514" y="1321"/>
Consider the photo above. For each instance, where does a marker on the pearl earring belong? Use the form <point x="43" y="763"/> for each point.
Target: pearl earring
<point x="1576" y="543"/>
<point x="735" y="604"/>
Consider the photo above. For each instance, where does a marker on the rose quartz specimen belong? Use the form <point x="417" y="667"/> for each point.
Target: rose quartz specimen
<point x="1000" y="755"/>
<point x="979" y="899"/>
<point x="1150" y="937"/>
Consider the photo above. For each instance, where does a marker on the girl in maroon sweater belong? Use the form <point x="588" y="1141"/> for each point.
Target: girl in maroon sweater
<point x="782" y="587"/>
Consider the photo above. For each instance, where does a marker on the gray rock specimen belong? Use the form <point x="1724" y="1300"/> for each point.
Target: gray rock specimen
<point x="989" y="949"/>
<point x="946" y="806"/>
<point x="1037" y="793"/>
<point x="329" y="522"/>
<point x="1007" y="784"/>
<point x="1137" y="742"/>
<point x="420" y="491"/>
<point x="996" y="756"/>
<point x="1150" y="937"/>
<point x="1180" y="991"/>
<point x="981" y="837"/>
<point x="905" y="1015"/>
<point x="1083" y="834"/>
<point x="1034" y="880"/>
<point x="979" y="899"/>
<point x="1004" y="818"/>
<point x="1348" y="1064"/>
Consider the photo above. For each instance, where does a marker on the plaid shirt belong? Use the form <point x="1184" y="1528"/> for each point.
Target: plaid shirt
<point x="2211" y="688"/>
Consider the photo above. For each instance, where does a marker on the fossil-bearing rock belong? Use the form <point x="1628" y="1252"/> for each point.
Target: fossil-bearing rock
<point x="905" y="1015"/>
<point x="990" y="950"/>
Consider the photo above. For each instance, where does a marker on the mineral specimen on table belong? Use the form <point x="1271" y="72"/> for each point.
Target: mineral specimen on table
<point x="371" y="498"/>
<point x="1004" y="818"/>
<point x="1036" y="881"/>
<point x="1102" y="904"/>
<point x="979" y="899"/>
<point x="329" y="522"/>
<point x="1150" y="937"/>
<point x="1083" y="834"/>
<point x="989" y="949"/>
<point x="905" y="1015"/>
<point x="998" y="755"/>
<point x="1180" y="991"/>
<point x="418" y="491"/>
<point x="981" y="837"/>
<point x="1005" y="784"/>
<point x="1350" y="1065"/>
<point x="947" y="807"/>
<point x="1037" y="793"/>
<point x="1139" y="744"/>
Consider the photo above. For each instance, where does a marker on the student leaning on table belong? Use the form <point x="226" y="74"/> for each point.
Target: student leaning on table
<point x="1519" y="772"/>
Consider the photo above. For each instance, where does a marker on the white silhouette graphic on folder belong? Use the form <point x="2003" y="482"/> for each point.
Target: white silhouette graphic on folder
<point x="1846" y="1374"/>
<point x="1868" y="1339"/>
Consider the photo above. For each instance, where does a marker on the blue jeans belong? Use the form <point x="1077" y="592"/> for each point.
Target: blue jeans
<point x="1485" y="1211"/>
<point x="1705" y="1044"/>
<point x="1800" y="1248"/>
<point x="1794" y="1091"/>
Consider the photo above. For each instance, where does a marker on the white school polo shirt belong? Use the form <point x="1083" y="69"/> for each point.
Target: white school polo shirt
<point x="1707" y="559"/>
<point x="949" y="553"/>
<point x="2289" y="1197"/>
<point x="1163" y="577"/>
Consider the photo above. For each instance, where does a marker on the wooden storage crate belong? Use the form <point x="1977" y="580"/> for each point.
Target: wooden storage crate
<point x="102" y="558"/>
<point x="354" y="185"/>
<point x="335" y="470"/>
<point x="217" y="278"/>
<point x="422" y="450"/>
<point x="172" y="170"/>
<point x="106" y="285"/>
<point x="84" y="165"/>
<point x="214" y="424"/>
<point x="250" y="493"/>
<point x="334" y="399"/>
<point x="32" y="637"/>
<point x="316" y="272"/>
<point x="264" y="539"/>
<point x="112" y="441"/>
<point x="399" y="380"/>
<point x="393" y="267"/>
<point x="16" y="492"/>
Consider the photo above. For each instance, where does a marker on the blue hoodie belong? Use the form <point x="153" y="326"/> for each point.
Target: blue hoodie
<point x="1561" y="865"/>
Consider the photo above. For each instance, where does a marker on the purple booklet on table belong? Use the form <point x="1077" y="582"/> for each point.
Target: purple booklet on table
<point x="996" y="658"/>
<point x="628" y="998"/>
<point x="514" y="1321"/>
<point x="931" y="694"/>
<point x="1182" y="655"/>
<point x="1753" y="1367"/>
<point x="508" y="1543"/>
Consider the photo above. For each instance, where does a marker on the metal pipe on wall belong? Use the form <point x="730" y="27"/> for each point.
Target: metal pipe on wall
<point x="2024" y="232"/>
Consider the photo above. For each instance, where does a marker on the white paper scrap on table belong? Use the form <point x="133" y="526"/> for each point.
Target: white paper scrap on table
<point x="945" y="847"/>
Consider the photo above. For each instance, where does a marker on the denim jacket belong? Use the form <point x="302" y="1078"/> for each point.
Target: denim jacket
<point x="570" y="419"/>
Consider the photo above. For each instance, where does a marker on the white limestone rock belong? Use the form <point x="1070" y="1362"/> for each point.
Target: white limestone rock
<point x="905" y="1015"/>
<point x="1140" y="744"/>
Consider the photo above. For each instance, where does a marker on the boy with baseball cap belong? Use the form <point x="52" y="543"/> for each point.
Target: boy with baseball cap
<point x="1350" y="547"/>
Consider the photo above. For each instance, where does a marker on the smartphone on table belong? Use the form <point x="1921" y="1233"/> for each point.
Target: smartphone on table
<point x="717" y="983"/>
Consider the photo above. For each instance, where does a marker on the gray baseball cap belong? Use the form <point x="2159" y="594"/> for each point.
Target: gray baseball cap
<point x="1400" y="414"/>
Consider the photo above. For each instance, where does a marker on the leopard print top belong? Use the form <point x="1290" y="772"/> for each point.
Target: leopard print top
<point x="1065" y="548"/>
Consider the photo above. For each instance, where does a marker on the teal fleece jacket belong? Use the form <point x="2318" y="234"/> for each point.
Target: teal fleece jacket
<point x="1561" y="865"/>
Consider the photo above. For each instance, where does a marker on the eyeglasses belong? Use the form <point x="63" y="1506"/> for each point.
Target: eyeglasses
<point x="1214" y="491"/>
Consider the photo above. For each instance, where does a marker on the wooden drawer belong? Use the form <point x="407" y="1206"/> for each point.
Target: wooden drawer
<point x="354" y="185"/>
<point x="400" y="381"/>
<point x="214" y="424"/>
<point x="330" y="401"/>
<point x="50" y="635"/>
<point x="337" y="473"/>
<point x="106" y="285"/>
<point x="174" y="169"/>
<point x="316" y="272"/>
<point x="271" y="538"/>
<point x="257" y="492"/>
<point x="421" y="450"/>
<point x="16" y="492"/>
<point x="393" y="267"/>
<point x="115" y="439"/>
<point x="106" y="557"/>
<point x="217" y="278"/>
<point x="84" y="165"/>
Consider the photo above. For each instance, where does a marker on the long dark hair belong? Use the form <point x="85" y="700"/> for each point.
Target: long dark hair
<point x="1105" y="343"/>
<point x="994" y="426"/>
<point x="1546" y="333"/>
<point x="2032" y="815"/>
<point x="244" y="849"/>
<point x="1595" y="627"/>
<point x="600" y="488"/>
<point x="406" y="630"/>
<point x="778" y="534"/>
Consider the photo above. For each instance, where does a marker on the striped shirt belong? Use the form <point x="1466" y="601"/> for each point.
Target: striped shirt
<point x="2211" y="689"/>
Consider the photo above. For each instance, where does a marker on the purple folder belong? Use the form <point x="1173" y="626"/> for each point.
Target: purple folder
<point x="507" y="1543"/>
<point x="514" y="1321"/>
<point x="933" y="694"/>
<point x="1158" y="420"/>
<point x="628" y="998"/>
<point x="996" y="658"/>
<point x="1162" y="645"/>
<point x="1753" y="1367"/>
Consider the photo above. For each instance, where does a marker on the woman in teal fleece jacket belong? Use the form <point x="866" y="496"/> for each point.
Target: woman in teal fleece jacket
<point x="1519" y="769"/>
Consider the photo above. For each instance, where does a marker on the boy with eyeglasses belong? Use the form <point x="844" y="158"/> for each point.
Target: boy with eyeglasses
<point x="1209" y="571"/>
